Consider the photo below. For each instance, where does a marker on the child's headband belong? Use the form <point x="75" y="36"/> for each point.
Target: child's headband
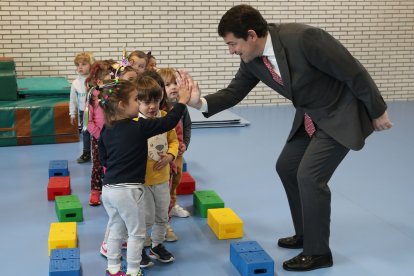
<point x="120" y="66"/>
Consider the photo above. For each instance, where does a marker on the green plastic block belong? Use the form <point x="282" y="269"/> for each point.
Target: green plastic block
<point x="206" y="199"/>
<point x="68" y="208"/>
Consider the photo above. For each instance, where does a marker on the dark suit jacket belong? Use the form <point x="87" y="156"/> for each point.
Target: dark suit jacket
<point x="320" y="77"/>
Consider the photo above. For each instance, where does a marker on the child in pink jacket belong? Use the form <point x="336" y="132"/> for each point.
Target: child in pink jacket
<point x="100" y="71"/>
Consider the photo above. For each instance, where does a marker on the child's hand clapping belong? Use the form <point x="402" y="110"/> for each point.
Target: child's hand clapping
<point x="184" y="88"/>
<point x="195" y="93"/>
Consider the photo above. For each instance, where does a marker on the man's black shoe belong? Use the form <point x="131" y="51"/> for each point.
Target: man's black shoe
<point x="308" y="262"/>
<point x="291" y="242"/>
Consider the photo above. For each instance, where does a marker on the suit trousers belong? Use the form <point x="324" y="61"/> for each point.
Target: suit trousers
<point x="305" y="166"/>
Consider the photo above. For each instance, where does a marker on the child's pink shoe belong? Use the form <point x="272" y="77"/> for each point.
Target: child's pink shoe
<point x="95" y="198"/>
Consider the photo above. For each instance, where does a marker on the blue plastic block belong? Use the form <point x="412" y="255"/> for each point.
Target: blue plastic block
<point x="68" y="267"/>
<point x="236" y="248"/>
<point x="245" y="246"/>
<point x="58" y="168"/>
<point x="65" y="262"/>
<point x="65" y="253"/>
<point x="184" y="165"/>
<point x="256" y="263"/>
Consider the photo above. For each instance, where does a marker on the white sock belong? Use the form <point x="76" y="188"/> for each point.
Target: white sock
<point x="113" y="269"/>
<point x="133" y="272"/>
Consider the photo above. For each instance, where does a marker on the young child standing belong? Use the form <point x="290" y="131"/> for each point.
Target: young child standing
<point x="128" y="73"/>
<point x="183" y="130"/>
<point x="83" y="62"/>
<point x="146" y="261"/>
<point x="138" y="60"/>
<point x="162" y="149"/>
<point x="152" y="62"/>
<point x="123" y="148"/>
<point x="101" y="71"/>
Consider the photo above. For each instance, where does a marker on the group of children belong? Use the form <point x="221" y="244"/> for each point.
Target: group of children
<point x="135" y="118"/>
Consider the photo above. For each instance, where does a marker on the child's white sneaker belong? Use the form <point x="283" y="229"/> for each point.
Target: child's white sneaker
<point x="178" y="211"/>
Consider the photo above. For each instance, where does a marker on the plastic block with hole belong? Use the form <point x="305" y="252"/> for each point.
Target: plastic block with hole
<point x="187" y="184"/>
<point x="68" y="208"/>
<point x="65" y="253"/>
<point x="58" y="168"/>
<point x="206" y="199"/>
<point x="225" y="223"/>
<point x="65" y="262"/>
<point x="236" y="248"/>
<point x="62" y="235"/>
<point x="256" y="263"/>
<point x="58" y="186"/>
<point x="67" y="267"/>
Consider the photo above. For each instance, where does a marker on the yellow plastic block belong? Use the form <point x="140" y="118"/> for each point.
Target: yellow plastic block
<point x="62" y="235"/>
<point x="225" y="223"/>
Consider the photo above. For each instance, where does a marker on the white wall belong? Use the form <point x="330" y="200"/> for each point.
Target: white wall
<point x="44" y="36"/>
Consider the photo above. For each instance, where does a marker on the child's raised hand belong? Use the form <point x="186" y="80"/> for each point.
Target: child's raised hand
<point x="194" y="100"/>
<point x="184" y="86"/>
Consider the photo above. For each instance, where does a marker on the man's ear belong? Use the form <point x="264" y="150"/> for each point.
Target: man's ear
<point x="252" y="34"/>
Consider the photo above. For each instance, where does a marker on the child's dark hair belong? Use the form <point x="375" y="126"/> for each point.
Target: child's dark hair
<point x="148" y="88"/>
<point x="149" y="55"/>
<point x="164" y="105"/>
<point x="110" y="94"/>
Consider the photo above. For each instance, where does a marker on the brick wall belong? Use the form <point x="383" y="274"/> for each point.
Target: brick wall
<point x="44" y="36"/>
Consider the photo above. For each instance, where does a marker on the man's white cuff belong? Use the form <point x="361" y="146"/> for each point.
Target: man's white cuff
<point x="204" y="106"/>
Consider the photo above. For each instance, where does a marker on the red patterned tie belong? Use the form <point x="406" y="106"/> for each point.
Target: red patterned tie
<point x="309" y="125"/>
<point x="269" y="66"/>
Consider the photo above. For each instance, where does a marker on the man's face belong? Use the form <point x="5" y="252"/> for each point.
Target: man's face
<point x="246" y="49"/>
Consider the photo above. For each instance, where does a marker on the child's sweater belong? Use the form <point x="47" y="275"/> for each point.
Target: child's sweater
<point x="163" y="143"/>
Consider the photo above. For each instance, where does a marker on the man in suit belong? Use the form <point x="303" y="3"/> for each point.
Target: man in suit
<point x="337" y="106"/>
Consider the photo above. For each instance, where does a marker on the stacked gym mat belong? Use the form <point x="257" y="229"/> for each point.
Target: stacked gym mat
<point x="33" y="110"/>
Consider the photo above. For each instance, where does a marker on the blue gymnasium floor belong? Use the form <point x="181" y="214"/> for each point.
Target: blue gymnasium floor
<point x="372" y="229"/>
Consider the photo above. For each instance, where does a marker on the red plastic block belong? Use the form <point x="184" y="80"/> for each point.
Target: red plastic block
<point x="58" y="186"/>
<point x="187" y="184"/>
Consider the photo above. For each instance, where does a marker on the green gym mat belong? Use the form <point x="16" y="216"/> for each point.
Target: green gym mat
<point x="43" y="86"/>
<point x="36" y="121"/>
